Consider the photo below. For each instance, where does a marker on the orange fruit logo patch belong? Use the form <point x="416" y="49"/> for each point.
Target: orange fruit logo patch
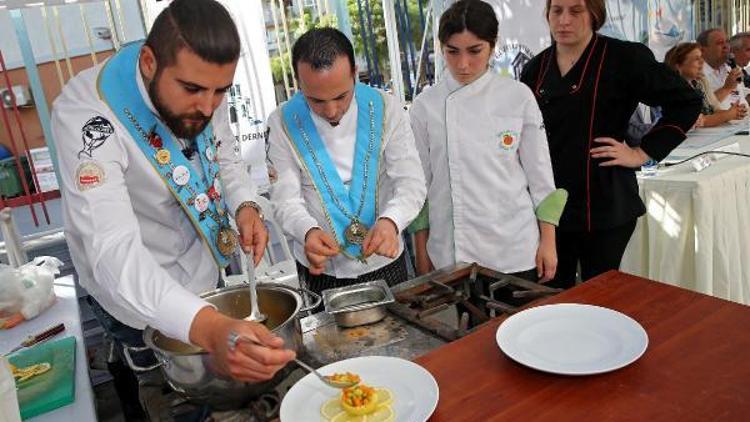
<point x="507" y="139"/>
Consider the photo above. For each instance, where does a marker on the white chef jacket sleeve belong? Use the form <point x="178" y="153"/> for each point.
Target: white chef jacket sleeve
<point x="403" y="167"/>
<point x="421" y="138"/>
<point x="534" y="150"/>
<point x="286" y="194"/>
<point x="235" y="177"/>
<point x="98" y="206"/>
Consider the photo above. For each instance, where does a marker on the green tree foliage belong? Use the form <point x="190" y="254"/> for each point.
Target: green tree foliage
<point x="295" y="30"/>
<point x="377" y="22"/>
<point x="277" y="70"/>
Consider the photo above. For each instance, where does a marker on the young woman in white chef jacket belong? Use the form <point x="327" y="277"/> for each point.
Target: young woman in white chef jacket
<point x="491" y="194"/>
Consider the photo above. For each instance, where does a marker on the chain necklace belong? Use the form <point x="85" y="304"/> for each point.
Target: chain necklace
<point x="356" y="231"/>
<point x="226" y="238"/>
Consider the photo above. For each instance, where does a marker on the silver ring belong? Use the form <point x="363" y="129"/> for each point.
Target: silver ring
<point x="232" y="340"/>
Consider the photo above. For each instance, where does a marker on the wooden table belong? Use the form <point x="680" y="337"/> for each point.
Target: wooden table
<point x="696" y="367"/>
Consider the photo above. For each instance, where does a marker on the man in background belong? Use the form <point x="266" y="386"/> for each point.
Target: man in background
<point x="740" y="46"/>
<point x="722" y="79"/>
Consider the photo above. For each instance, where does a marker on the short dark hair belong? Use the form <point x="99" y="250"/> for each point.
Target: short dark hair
<point x="597" y="9"/>
<point x="703" y="36"/>
<point x="474" y="16"/>
<point x="203" y="26"/>
<point x="320" y="47"/>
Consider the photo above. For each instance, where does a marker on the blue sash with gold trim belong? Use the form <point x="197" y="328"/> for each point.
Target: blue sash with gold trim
<point x="200" y="197"/>
<point x="342" y="205"/>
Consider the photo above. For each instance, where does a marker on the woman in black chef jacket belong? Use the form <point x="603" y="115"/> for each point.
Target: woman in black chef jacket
<point x="588" y="86"/>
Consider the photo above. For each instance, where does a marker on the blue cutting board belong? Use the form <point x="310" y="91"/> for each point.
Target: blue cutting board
<point x="56" y="387"/>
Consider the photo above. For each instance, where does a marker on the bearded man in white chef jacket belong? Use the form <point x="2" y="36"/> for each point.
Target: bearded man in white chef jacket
<point x="349" y="174"/>
<point x="150" y="180"/>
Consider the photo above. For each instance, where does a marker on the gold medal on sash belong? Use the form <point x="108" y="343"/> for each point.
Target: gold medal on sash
<point x="226" y="241"/>
<point x="163" y="156"/>
<point x="355" y="233"/>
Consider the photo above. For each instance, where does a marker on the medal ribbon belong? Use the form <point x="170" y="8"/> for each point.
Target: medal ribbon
<point x="118" y="88"/>
<point x="362" y="191"/>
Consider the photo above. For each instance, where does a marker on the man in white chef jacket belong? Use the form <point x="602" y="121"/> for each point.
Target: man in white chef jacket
<point x="150" y="180"/>
<point x="349" y="176"/>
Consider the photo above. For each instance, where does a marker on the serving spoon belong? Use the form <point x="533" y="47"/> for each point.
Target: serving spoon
<point x="326" y="379"/>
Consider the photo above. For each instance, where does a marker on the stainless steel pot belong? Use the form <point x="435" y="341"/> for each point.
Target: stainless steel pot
<point x="190" y="370"/>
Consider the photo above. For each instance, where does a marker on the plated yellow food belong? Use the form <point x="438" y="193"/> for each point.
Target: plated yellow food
<point x="359" y="400"/>
<point x="29" y="372"/>
<point x="360" y="403"/>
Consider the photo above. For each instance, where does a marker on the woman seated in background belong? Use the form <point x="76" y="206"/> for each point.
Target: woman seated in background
<point x="491" y="193"/>
<point x="686" y="58"/>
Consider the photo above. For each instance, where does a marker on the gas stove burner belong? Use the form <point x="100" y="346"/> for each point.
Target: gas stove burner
<point x="477" y="293"/>
<point x="170" y="406"/>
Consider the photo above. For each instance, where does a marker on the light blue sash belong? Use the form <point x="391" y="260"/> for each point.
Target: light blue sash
<point x="362" y="191"/>
<point x="119" y="89"/>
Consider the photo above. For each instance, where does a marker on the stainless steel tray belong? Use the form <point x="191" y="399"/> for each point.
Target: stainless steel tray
<point x="358" y="304"/>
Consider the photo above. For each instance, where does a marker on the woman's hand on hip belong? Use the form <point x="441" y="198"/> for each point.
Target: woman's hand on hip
<point x="618" y="153"/>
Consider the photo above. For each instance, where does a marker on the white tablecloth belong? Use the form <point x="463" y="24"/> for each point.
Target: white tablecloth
<point x="696" y="232"/>
<point x="65" y="310"/>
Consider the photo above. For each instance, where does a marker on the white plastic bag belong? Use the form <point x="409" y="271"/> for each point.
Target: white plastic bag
<point x="26" y="291"/>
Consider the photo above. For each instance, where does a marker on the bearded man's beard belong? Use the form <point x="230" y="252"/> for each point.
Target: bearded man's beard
<point x="176" y="122"/>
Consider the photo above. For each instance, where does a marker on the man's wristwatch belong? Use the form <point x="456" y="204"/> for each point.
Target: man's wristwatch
<point x="251" y="204"/>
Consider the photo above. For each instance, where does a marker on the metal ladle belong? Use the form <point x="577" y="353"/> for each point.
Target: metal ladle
<point x="255" y="314"/>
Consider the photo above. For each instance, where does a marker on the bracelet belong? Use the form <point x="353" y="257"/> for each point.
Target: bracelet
<point x="251" y="204"/>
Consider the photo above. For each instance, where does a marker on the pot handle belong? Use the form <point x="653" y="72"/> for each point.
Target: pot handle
<point x="176" y="387"/>
<point x="316" y="299"/>
<point x="126" y="352"/>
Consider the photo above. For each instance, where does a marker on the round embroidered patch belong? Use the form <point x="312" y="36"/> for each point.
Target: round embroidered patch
<point x="507" y="139"/>
<point x="93" y="134"/>
<point x="89" y="175"/>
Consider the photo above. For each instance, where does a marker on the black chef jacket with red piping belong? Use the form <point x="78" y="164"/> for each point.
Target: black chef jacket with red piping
<point x="618" y="74"/>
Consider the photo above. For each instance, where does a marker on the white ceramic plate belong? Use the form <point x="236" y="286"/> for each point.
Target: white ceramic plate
<point x="414" y="389"/>
<point x="572" y="339"/>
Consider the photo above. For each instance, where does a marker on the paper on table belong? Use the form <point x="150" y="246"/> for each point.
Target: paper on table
<point x="9" y="411"/>
<point x="702" y="140"/>
<point x="706" y="136"/>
